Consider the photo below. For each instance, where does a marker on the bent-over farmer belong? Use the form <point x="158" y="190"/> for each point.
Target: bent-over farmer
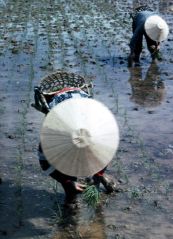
<point x="149" y="24"/>
<point x="53" y="90"/>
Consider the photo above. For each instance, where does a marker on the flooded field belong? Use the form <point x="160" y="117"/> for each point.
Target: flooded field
<point x="90" y="38"/>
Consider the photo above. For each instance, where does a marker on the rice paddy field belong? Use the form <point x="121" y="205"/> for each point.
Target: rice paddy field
<point x="90" y="38"/>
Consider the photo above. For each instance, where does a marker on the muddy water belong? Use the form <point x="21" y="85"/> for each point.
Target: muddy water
<point x="90" y="38"/>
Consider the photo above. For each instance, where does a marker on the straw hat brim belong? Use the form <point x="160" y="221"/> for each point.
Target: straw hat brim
<point x="156" y="28"/>
<point x="79" y="137"/>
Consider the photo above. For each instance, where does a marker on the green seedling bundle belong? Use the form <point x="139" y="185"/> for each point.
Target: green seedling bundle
<point x="91" y="195"/>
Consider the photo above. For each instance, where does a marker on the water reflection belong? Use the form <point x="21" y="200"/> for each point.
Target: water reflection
<point x="147" y="92"/>
<point x="67" y="223"/>
<point x="81" y="223"/>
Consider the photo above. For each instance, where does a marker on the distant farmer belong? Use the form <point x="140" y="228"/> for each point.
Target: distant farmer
<point x="153" y="27"/>
<point x="54" y="90"/>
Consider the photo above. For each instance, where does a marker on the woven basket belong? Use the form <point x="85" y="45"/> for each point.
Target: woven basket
<point x="61" y="79"/>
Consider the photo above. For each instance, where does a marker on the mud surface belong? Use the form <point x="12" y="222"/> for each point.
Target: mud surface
<point x="90" y="38"/>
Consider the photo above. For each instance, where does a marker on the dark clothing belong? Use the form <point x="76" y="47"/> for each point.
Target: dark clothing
<point x="138" y="23"/>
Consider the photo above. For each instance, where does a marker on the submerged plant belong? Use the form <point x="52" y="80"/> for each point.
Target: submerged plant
<point x="91" y="195"/>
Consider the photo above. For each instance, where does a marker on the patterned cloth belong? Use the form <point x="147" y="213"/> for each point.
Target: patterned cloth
<point x="67" y="94"/>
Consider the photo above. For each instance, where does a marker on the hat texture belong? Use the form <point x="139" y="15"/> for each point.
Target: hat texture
<point x="79" y="137"/>
<point x="156" y="28"/>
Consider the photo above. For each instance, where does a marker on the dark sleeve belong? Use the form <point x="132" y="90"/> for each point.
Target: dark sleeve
<point x="40" y="101"/>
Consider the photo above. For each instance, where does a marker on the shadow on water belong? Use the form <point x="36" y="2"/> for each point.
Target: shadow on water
<point x="23" y="218"/>
<point x="147" y="91"/>
<point x="21" y="209"/>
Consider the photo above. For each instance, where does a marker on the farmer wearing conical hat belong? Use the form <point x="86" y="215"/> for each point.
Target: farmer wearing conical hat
<point x="153" y="27"/>
<point x="53" y="91"/>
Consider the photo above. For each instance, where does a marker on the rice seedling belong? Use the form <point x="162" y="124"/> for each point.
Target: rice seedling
<point x="135" y="193"/>
<point x="166" y="188"/>
<point x="91" y="196"/>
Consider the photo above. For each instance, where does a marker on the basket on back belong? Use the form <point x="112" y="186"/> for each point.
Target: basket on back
<point x="55" y="82"/>
<point x="61" y="79"/>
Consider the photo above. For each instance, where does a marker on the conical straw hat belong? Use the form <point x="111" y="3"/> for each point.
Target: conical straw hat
<point x="156" y="28"/>
<point x="79" y="137"/>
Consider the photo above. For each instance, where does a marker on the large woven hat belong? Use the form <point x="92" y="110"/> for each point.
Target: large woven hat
<point x="79" y="137"/>
<point x="156" y="28"/>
